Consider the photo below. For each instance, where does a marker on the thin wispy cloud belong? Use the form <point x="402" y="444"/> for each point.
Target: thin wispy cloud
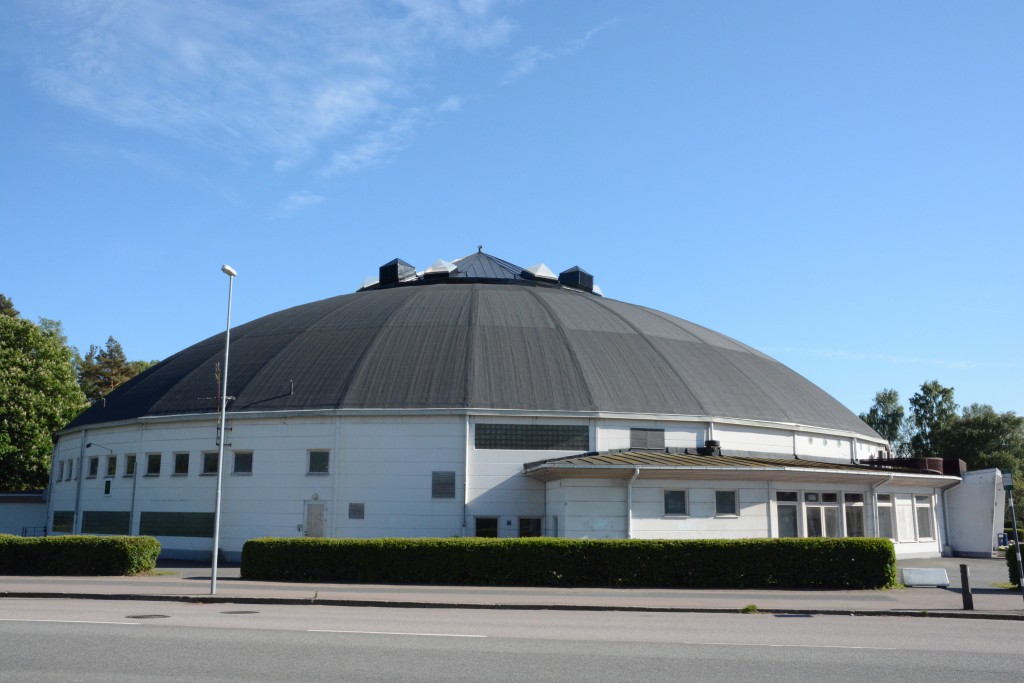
<point x="288" y="81"/>
<point x="295" y="202"/>
<point x="877" y="358"/>
<point x="528" y="59"/>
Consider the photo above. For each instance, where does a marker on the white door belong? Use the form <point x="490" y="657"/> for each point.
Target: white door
<point x="315" y="515"/>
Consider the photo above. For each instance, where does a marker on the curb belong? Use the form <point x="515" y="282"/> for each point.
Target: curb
<point x="334" y="602"/>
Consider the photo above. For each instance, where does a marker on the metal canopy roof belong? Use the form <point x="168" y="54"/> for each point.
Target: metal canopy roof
<point x="490" y="341"/>
<point x="666" y="465"/>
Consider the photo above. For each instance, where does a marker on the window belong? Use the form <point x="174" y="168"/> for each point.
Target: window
<point x="210" y="462"/>
<point x="181" y="463"/>
<point x="152" y="465"/>
<point x="533" y="437"/>
<point x="442" y="485"/>
<point x="94" y="467"/>
<point x="675" y="503"/>
<point x="853" y="509"/>
<point x="529" y="527"/>
<point x="319" y="462"/>
<point x="243" y="463"/>
<point x="885" y="528"/>
<point x="787" y="507"/>
<point x="646" y="438"/>
<point x="111" y="465"/>
<point x="487" y="527"/>
<point x="923" y="510"/>
<point x="106" y="487"/>
<point x="725" y="503"/>
<point x="129" y="465"/>
<point x="71" y="470"/>
<point x="60" y="471"/>
<point x="357" y="510"/>
<point x="822" y="515"/>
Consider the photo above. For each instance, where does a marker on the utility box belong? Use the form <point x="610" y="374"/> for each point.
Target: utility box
<point x="976" y="513"/>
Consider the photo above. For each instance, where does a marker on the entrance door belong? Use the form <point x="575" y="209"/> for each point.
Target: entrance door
<point x="315" y="515"/>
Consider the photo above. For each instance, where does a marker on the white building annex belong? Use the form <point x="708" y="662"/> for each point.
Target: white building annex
<point x="479" y="398"/>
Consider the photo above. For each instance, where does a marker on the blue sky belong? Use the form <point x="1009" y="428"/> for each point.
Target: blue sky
<point x="838" y="184"/>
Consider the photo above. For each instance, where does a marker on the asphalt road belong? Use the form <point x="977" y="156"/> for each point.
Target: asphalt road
<point x="100" y="640"/>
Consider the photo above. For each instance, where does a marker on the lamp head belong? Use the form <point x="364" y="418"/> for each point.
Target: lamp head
<point x="228" y="270"/>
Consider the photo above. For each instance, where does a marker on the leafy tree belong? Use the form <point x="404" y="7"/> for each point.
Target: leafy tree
<point x="105" y="368"/>
<point x="932" y="412"/>
<point x="886" y="416"/>
<point x="39" y="394"/>
<point x="7" y="307"/>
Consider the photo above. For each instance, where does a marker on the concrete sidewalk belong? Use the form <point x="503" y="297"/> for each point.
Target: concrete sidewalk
<point x="191" y="583"/>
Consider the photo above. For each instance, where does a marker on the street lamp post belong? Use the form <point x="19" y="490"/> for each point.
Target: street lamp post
<point x="231" y="273"/>
<point x="1008" y="487"/>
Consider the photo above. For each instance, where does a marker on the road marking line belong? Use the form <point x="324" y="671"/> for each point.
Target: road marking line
<point x="823" y="647"/>
<point x="69" y="621"/>
<point x="396" y="633"/>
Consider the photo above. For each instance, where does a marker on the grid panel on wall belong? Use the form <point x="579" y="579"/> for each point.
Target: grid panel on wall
<point x="533" y="437"/>
<point x="185" y="524"/>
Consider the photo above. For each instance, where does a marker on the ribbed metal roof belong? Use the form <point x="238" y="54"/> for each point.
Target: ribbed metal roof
<point x="467" y="342"/>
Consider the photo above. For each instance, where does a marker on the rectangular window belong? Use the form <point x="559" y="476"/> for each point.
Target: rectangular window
<point x="319" y="462"/>
<point x="442" y="485"/>
<point x="94" y="467"/>
<point x="357" y="510"/>
<point x="106" y="487"/>
<point x="60" y="471"/>
<point x="70" y="471"/>
<point x="822" y="517"/>
<point x="64" y="520"/>
<point x="210" y="461"/>
<point x="725" y="503"/>
<point x="152" y="465"/>
<point x="675" y="503"/>
<point x="243" y="463"/>
<point x="181" y="463"/>
<point x="106" y="522"/>
<point x="641" y="437"/>
<point x="533" y="437"/>
<point x="853" y="507"/>
<point x="923" y="508"/>
<point x="129" y="465"/>
<point x="487" y="527"/>
<point x="885" y="526"/>
<point x="787" y="508"/>
<point x="529" y="527"/>
<point x="183" y="524"/>
<point x="111" y="465"/>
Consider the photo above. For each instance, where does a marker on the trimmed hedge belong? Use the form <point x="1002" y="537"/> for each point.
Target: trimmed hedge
<point x="835" y="563"/>
<point x="78" y="555"/>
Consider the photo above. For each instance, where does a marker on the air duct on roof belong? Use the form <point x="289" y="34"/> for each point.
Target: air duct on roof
<point x="395" y="271"/>
<point x="710" y="447"/>
<point x="539" y="272"/>
<point x="577" y="278"/>
<point x="440" y="269"/>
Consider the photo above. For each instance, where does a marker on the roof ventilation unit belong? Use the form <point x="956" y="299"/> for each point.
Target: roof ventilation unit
<point x="440" y="270"/>
<point x="395" y="271"/>
<point x="577" y="278"/>
<point x="539" y="272"/>
<point x="710" y="447"/>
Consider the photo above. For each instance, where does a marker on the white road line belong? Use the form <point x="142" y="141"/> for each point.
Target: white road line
<point x="822" y="647"/>
<point x="69" y="621"/>
<point x="396" y="633"/>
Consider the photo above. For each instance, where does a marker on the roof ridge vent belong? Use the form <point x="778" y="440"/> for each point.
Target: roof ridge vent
<point x="439" y="269"/>
<point x="395" y="271"/>
<point x="541" y="272"/>
<point x="577" y="278"/>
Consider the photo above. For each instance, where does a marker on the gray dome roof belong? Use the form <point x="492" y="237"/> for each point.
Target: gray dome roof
<point x="478" y="343"/>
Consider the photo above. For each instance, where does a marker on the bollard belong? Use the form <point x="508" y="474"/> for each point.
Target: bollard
<point x="965" y="587"/>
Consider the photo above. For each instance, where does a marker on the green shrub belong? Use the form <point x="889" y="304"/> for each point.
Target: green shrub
<point x="838" y="563"/>
<point x="78" y="555"/>
<point x="1011" y="563"/>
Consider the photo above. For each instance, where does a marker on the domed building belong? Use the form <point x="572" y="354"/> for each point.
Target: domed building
<point x="476" y="397"/>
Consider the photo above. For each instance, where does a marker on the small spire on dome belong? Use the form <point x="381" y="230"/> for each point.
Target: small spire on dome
<point x="479" y="248"/>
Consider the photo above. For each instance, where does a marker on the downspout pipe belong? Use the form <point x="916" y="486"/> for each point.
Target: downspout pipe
<point x="629" y="502"/>
<point x="874" y="499"/>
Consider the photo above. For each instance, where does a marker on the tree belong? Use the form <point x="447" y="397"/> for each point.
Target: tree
<point x="39" y="394"/>
<point x="105" y="368"/>
<point x="7" y="307"/>
<point x="886" y="416"/>
<point x="932" y="411"/>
